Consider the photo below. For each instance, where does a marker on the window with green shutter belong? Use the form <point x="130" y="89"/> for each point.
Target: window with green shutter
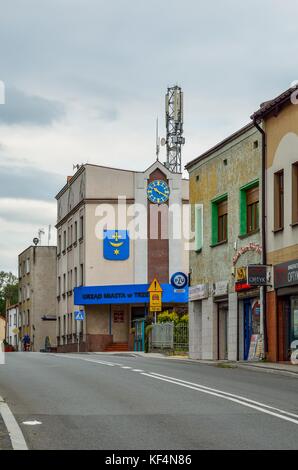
<point x="219" y="222"/>
<point x="249" y="208"/>
<point x="198" y="227"/>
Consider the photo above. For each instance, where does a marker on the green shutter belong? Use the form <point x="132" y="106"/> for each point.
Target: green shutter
<point x="198" y="227"/>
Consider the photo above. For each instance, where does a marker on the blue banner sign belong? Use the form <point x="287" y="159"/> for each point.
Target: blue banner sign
<point x="126" y="294"/>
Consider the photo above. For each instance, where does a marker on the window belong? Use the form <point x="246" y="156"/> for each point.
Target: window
<point x="28" y="291"/>
<point x="75" y="232"/>
<point x="59" y="244"/>
<point x="198" y="227"/>
<point x="59" y="286"/>
<point x="64" y="240"/>
<point x="28" y="317"/>
<point x="249" y="208"/>
<point x="279" y="200"/>
<point x="75" y="277"/>
<point x="81" y="226"/>
<point x="64" y="283"/>
<point x="219" y="208"/>
<point x="81" y="274"/>
<point x="252" y="209"/>
<point x="222" y="221"/>
<point x="27" y="265"/>
<point x="295" y="193"/>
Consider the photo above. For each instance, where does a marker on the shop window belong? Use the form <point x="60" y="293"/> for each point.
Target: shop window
<point x="219" y="209"/>
<point x="198" y="227"/>
<point x="279" y="200"/>
<point x="295" y="193"/>
<point x="249" y="208"/>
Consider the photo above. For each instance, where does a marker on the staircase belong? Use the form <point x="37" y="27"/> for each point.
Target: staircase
<point x="117" y="347"/>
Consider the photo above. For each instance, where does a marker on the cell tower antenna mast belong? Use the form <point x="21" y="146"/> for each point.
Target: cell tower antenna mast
<point x="174" y="125"/>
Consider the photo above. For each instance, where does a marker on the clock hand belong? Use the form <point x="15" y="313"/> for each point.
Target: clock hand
<point x="160" y="192"/>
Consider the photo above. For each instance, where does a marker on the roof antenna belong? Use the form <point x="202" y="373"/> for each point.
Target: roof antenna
<point x="157" y="141"/>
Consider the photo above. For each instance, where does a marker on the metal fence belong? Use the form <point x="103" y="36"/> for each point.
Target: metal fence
<point x="168" y="336"/>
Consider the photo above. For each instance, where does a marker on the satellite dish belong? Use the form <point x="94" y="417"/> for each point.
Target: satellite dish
<point x="35" y="241"/>
<point x="163" y="141"/>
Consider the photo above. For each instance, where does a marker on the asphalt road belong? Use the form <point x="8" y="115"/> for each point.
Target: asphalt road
<point x="91" y="401"/>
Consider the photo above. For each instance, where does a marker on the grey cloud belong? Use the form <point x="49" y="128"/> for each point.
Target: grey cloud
<point x="29" y="183"/>
<point x="20" y="108"/>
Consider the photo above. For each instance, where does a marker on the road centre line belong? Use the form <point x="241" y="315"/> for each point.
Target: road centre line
<point x="218" y="394"/>
<point x="15" y="433"/>
<point x="229" y="395"/>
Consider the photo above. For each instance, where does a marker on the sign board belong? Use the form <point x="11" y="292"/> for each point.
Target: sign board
<point x="119" y="316"/>
<point x="179" y="280"/>
<point x="256" y="348"/>
<point x="286" y="274"/>
<point x="198" y="292"/>
<point x="257" y="275"/>
<point x="155" y="293"/>
<point x="79" y="315"/>
<point x="220" y="288"/>
<point x="240" y="274"/>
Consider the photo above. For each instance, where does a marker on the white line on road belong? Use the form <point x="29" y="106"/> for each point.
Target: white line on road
<point x="96" y="361"/>
<point x="126" y="367"/>
<point x="229" y="395"/>
<point x="219" y="394"/>
<point x="16" y="436"/>
<point x="137" y="370"/>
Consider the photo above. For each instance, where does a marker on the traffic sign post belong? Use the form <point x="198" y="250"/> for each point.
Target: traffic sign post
<point x="79" y="315"/>
<point x="155" y="292"/>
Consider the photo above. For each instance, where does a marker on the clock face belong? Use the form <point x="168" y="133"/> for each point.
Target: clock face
<point x="158" y="192"/>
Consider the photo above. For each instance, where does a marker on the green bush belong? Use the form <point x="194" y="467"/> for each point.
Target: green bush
<point x="166" y="317"/>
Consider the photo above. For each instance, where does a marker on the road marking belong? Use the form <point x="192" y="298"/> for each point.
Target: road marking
<point x="126" y="367"/>
<point x="229" y="395"/>
<point x="137" y="370"/>
<point x="16" y="436"/>
<point x="31" y="423"/>
<point x="96" y="361"/>
<point x="262" y="408"/>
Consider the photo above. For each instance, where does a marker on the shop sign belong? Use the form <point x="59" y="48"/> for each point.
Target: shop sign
<point x="240" y="274"/>
<point x="198" y="292"/>
<point x="286" y="274"/>
<point x="220" y="288"/>
<point x="155" y="292"/>
<point x="257" y="275"/>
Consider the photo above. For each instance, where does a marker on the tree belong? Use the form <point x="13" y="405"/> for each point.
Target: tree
<point x="8" y="290"/>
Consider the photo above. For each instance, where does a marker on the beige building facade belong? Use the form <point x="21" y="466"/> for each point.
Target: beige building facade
<point x="106" y="277"/>
<point x="37" y="296"/>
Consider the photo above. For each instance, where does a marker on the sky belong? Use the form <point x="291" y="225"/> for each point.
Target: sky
<point x="85" y="81"/>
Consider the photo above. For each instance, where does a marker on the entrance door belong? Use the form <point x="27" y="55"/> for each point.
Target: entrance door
<point x="223" y="331"/>
<point x="247" y="327"/>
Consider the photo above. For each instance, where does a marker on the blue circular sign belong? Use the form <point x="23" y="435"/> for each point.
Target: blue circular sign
<point x="179" y="280"/>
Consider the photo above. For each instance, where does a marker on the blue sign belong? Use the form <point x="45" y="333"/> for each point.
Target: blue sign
<point x="79" y="315"/>
<point x="125" y="294"/>
<point x="116" y="245"/>
<point x="179" y="280"/>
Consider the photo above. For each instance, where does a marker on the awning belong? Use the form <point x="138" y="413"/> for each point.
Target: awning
<point x="126" y="294"/>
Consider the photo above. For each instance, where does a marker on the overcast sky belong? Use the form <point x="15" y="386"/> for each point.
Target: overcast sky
<point x="85" y="81"/>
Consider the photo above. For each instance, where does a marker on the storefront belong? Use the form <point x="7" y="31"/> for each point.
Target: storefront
<point x="111" y="310"/>
<point x="286" y="289"/>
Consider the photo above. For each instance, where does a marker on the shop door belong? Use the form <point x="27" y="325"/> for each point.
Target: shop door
<point x="247" y="327"/>
<point x="222" y="332"/>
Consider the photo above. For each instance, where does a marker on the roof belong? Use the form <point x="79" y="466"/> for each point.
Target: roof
<point x="220" y="145"/>
<point x="273" y="105"/>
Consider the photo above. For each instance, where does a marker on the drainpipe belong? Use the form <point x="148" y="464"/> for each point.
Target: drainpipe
<point x="263" y="231"/>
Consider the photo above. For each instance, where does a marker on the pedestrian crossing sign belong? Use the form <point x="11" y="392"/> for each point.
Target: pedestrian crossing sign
<point x="79" y="315"/>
